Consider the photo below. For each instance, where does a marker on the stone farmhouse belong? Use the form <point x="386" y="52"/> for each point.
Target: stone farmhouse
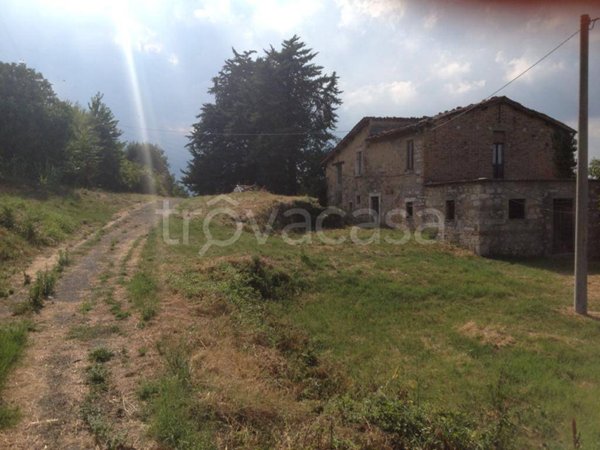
<point x="491" y="169"/>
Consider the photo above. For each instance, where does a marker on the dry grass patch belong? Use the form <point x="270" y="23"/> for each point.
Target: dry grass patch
<point x="489" y="335"/>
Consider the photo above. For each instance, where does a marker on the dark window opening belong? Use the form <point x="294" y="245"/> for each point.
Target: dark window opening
<point x="409" y="210"/>
<point x="359" y="163"/>
<point x="375" y="207"/>
<point x="516" y="208"/>
<point x="410" y="155"/>
<point x="338" y="173"/>
<point x="350" y="207"/>
<point x="498" y="160"/>
<point x="564" y="225"/>
<point x="450" y="210"/>
<point x="358" y="199"/>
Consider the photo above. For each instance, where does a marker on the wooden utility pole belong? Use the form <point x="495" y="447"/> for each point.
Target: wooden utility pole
<point x="581" y="219"/>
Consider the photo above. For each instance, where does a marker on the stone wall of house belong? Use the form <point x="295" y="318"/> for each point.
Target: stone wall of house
<point x="340" y="195"/>
<point x="464" y="229"/>
<point x="482" y="223"/>
<point x="384" y="174"/>
<point x="462" y="148"/>
<point x="454" y="162"/>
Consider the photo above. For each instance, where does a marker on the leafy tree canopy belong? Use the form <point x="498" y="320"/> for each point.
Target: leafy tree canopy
<point x="105" y="127"/>
<point x="270" y="123"/>
<point x="48" y="142"/>
<point x="34" y="124"/>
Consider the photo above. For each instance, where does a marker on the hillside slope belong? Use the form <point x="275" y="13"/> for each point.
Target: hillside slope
<point x="287" y="339"/>
<point x="379" y="345"/>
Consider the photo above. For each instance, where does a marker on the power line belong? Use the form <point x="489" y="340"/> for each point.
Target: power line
<point x="510" y="81"/>
<point x="308" y="132"/>
<point x="296" y="133"/>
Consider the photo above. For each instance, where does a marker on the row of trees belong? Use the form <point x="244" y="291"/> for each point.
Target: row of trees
<point x="270" y="124"/>
<point x="44" y="140"/>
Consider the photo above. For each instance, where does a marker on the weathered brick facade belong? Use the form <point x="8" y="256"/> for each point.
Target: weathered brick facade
<point x="475" y="160"/>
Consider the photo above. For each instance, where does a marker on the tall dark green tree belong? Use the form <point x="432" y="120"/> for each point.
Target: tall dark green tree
<point x="270" y="123"/>
<point x="83" y="150"/>
<point x="34" y="125"/>
<point x="105" y="127"/>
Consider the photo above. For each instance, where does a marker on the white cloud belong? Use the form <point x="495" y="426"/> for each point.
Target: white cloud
<point x="516" y="66"/>
<point x="353" y="11"/>
<point x="431" y="20"/>
<point x="173" y="59"/>
<point x="463" y="87"/>
<point x="131" y="34"/>
<point x="150" y="47"/>
<point x="398" y="92"/>
<point x="283" y="16"/>
<point x="402" y="91"/>
<point x="451" y="69"/>
<point x="214" y="11"/>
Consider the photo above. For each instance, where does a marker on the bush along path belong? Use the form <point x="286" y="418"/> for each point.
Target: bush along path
<point x="75" y="384"/>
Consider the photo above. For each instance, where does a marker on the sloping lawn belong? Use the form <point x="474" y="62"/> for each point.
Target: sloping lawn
<point x="456" y="331"/>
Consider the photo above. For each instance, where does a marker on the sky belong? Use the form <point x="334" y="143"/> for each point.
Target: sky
<point x="154" y="59"/>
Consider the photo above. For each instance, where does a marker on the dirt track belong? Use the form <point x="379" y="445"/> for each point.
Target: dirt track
<point x="49" y="385"/>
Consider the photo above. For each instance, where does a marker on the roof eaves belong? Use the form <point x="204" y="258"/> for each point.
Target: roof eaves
<point x="354" y="131"/>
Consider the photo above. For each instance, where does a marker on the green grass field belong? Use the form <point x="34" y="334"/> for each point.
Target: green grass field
<point x="453" y="330"/>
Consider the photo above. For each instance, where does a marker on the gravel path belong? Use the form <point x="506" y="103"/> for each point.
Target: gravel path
<point x="49" y="385"/>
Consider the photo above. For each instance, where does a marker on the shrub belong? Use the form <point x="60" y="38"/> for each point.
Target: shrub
<point x="256" y="279"/>
<point x="29" y="231"/>
<point x="42" y="288"/>
<point x="97" y="375"/>
<point x="100" y="355"/>
<point x="7" y="217"/>
<point x="64" y="259"/>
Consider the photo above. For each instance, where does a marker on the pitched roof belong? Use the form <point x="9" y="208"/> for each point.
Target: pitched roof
<point x="379" y="125"/>
<point x="449" y="115"/>
<point x="387" y="127"/>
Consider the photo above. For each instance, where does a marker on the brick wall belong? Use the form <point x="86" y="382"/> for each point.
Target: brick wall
<point x="462" y="149"/>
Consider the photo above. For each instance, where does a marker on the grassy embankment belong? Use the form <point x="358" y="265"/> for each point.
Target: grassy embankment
<point x="31" y="222"/>
<point x="376" y="346"/>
